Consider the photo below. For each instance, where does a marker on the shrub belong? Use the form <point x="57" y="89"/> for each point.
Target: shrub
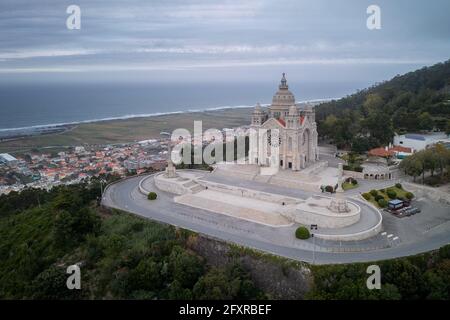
<point x="382" y="203"/>
<point x="366" y="196"/>
<point x="302" y="233"/>
<point x="409" y="195"/>
<point x="378" y="197"/>
<point x="383" y="190"/>
<point x="373" y="192"/>
<point x="354" y="182"/>
<point x="398" y="185"/>
<point x="329" y="189"/>
<point x="391" y="194"/>
<point x="152" y="196"/>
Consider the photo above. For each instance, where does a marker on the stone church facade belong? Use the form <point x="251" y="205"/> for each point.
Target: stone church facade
<point x="297" y="130"/>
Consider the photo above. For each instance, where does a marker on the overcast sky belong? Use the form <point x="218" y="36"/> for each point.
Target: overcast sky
<point x="207" y="40"/>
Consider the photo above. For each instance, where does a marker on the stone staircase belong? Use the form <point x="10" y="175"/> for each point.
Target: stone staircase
<point x="197" y="188"/>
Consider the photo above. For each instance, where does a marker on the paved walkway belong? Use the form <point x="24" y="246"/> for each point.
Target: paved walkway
<point x="125" y="195"/>
<point x="239" y="207"/>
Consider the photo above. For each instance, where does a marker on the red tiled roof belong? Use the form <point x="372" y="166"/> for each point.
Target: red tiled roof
<point x="301" y="119"/>
<point x="381" y="152"/>
<point x="401" y="149"/>
<point x="282" y="122"/>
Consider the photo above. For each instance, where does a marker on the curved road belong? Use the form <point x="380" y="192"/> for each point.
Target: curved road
<point x="124" y="195"/>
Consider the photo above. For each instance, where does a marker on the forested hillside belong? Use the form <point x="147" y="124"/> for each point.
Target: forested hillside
<point x="413" y="102"/>
<point x="125" y="257"/>
<point x="121" y="256"/>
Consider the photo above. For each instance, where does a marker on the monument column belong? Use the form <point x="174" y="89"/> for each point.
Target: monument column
<point x="170" y="170"/>
<point x="338" y="202"/>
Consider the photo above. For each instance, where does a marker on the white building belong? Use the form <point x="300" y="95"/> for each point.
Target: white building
<point x="8" y="159"/>
<point x="420" y="141"/>
<point x="297" y="130"/>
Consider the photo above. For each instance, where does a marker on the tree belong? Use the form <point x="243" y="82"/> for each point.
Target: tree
<point x="71" y="228"/>
<point x="51" y="285"/>
<point x="146" y="276"/>
<point x="442" y="156"/>
<point x="302" y="233"/>
<point x="379" y="125"/>
<point x="373" y="103"/>
<point x="185" y="267"/>
<point x="425" y="121"/>
<point x="232" y="282"/>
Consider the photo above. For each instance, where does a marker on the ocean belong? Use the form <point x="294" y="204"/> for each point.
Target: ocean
<point x="26" y="106"/>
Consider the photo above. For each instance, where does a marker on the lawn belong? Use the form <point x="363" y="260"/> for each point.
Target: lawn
<point x="348" y="186"/>
<point x="401" y="193"/>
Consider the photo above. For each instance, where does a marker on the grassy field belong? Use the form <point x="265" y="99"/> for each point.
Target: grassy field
<point x="399" y="191"/>
<point x="128" y="130"/>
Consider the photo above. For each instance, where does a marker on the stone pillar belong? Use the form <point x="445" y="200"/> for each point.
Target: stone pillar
<point x="339" y="189"/>
<point x="338" y="202"/>
<point x="170" y="170"/>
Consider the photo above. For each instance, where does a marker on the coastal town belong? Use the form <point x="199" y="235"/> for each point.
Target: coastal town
<point x="45" y="170"/>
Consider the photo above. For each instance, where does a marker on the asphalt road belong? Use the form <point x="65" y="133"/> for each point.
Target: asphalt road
<point x="124" y="195"/>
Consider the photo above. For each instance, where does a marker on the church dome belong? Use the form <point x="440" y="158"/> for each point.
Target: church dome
<point x="283" y="97"/>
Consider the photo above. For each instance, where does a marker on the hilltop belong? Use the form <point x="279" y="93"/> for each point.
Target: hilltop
<point x="415" y="101"/>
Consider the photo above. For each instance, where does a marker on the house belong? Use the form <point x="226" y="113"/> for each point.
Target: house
<point x="397" y="151"/>
<point x="8" y="159"/>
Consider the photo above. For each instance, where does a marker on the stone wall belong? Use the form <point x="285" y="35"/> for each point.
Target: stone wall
<point x="322" y="220"/>
<point x="253" y="194"/>
<point x="169" y="186"/>
<point x="353" y="174"/>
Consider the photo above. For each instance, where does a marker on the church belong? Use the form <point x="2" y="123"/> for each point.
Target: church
<point x="297" y="130"/>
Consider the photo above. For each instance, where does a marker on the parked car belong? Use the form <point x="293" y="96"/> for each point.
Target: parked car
<point x="412" y="211"/>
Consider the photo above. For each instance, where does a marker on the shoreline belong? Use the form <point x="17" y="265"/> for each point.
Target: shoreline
<point x="42" y="128"/>
<point x="120" y="130"/>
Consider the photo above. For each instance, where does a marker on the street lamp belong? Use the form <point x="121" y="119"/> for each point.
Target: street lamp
<point x="313" y="227"/>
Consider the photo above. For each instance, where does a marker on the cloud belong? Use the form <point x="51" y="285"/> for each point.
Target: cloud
<point x="216" y="64"/>
<point x="126" y="35"/>
<point x="226" y="10"/>
<point x="28" y="54"/>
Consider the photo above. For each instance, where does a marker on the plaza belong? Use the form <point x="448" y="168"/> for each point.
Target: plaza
<point x="415" y="234"/>
<point x="247" y="204"/>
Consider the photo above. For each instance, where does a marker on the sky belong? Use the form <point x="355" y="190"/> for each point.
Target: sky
<point x="219" y="41"/>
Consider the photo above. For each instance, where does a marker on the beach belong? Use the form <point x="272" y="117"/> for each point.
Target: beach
<point x="126" y="130"/>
